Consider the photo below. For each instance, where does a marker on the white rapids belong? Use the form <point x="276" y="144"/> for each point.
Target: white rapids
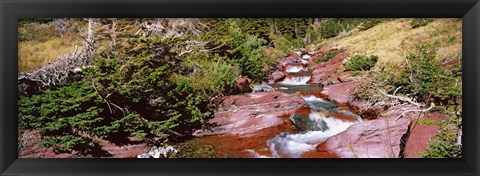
<point x="293" y="68"/>
<point x="296" y="80"/>
<point x="293" y="145"/>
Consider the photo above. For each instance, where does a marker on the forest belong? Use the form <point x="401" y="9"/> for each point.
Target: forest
<point x="240" y="88"/>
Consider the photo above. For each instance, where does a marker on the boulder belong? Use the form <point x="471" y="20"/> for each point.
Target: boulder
<point x="246" y="114"/>
<point x="262" y="87"/>
<point x="342" y="93"/>
<point x="293" y="58"/>
<point x="243" y="84"/>
<point x="327" y="71"/>
<point x="278" y="75"/>
<point x="304" y="123"/>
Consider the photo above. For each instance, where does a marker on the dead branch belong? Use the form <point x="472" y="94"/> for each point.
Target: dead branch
<point x="416" y="110"/>
<point x="401" y="98"/>
<point x="61" y="71"/>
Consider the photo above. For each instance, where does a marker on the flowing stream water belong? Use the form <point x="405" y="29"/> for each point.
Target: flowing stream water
<point x="322" y="120"/>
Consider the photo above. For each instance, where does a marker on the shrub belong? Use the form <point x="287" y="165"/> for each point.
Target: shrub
<point x="443" y="144"/>
<point x="429" y="81"/>
<point x="360" y="63"/>
<point x="332" y="27"/>
<point x="419" y="22"/>
<point x="441" y="149"/>
<point x="63" y="115"/>
<point x="172" y="95"/>
<point x="248" y="51"/>
<point x="369" y="23"/>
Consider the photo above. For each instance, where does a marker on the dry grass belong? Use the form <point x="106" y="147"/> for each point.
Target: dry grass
<point x="392" y="40"/>
<point x="35" y="53"/>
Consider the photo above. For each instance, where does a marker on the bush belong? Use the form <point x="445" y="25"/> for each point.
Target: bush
<point x="360" y="63"/>
<point x="441" y="149"/>
<point x="369" y="23"/>
<point x="248" y="51"/>
<point x="419" y="22"/>
<point x="172" y="95"/>
<point x="443" y="144"/>
<point x="429" y="81"/>
<point x="63" y="115"/>
<point x="328" y="55"/>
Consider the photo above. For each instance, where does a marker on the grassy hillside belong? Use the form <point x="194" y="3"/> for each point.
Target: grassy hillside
<point x="40" y="44"/>
<point x="391" y="40"/>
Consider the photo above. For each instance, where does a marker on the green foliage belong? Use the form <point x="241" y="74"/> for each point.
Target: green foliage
<point x="360" y="63"/>
<point x="429" y="80"/>
<point x="193" y="149"/>
<point x="422" y="76"/>
<point x="63" y="115"/>
<point x="441" y="149"/>
<point x="443" y="144"/>
<point x="248" y="50"/>
<point x="170" y="94"/>
<point x="332" y="27"/>
<point x="419" y="22"/>
<point x="369" y="23"/>
<point x="23" y="21"/>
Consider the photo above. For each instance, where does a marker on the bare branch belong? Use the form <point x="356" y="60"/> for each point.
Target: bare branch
<point x="416" y="110"/>
<point x="401" y="98"/>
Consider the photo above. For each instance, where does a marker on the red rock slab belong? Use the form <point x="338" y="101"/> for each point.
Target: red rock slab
<point x="379" y="138"/>
<point x="246" y="114"/>
<point x="293" y="58"/>
<point x="236" y="146"/>
<point x="326" y="71"/>
<point x="340" y="93"/>
<point x="420" y="135"/>
<point x="278" y="75"/>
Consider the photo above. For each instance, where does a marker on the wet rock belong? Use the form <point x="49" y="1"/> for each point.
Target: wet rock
<point x="262" y="87"/>
<point x="305" y="123"/>
<point x="243" y="84"/>
<point x="293" y="58"/>
<point x="144" y="155"/>
<point x="159" y="152"/>
<point x="246" y="114"/>
<point x="278" y="75"/>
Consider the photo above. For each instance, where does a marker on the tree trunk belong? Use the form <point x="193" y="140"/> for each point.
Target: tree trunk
<point x="90" y="31"/>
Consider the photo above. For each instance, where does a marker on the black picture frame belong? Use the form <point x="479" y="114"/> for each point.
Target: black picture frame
<point x="11" y="10"/>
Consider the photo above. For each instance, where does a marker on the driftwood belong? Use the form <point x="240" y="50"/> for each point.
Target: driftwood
<point x="59" y="72"/>
<point x="406" y="99"/>
<point x="432" y="105"/>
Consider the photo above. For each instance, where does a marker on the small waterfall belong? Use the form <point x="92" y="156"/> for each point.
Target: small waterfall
<point x="293" y="145"/>
<point x="296" y="80"/>
<point x="306" y="56"/>
<point x="294" y="68"/>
